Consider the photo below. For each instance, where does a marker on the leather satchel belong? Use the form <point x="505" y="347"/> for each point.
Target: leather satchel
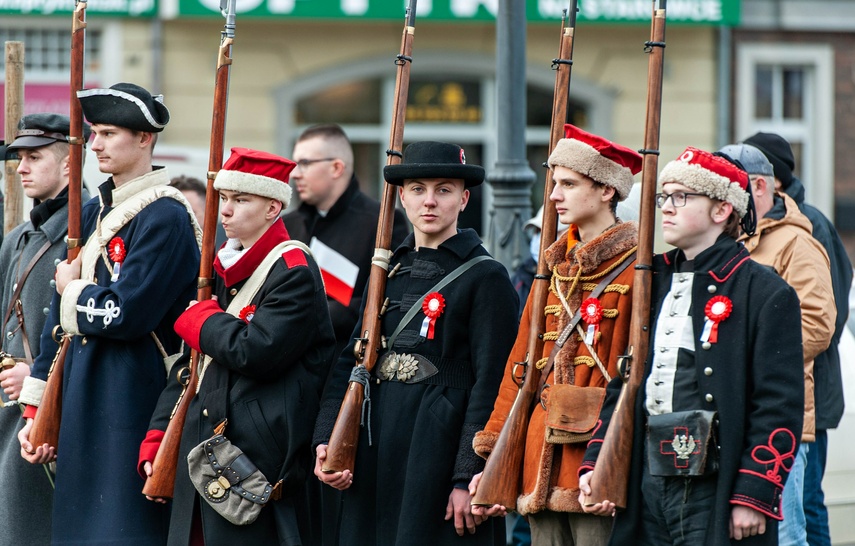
<point x="572" y="413"/>
<point x="682" y="443"/>
<point x="228" y="481"/>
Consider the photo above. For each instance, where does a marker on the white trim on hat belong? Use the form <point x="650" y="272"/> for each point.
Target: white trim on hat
<point x="127" y="96"/>
<point x="707" y="182"/>
<point x="585" y="159"/>
<point x="255" y="184"/>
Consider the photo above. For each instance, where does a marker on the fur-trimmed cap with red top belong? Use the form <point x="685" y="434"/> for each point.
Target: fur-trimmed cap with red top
<point x="258" y="173"/>
<point x="598" y="158"/>
<point x="711" y="175"/>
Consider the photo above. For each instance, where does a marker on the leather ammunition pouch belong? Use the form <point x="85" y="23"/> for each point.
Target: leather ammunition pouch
<point x="230" y="483"/>
<point x="682" y="443"/>
<point x="572" y="412"/>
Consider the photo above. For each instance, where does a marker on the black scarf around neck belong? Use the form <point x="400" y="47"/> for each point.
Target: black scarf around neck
<point x="43" y="210"/>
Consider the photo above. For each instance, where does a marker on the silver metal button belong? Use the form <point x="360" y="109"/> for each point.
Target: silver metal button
<point x="84" y="341"/>
<point x="205" y="412"/>
<point x="711" y="289"/>
<point x="56" y="262"/>
<point x="233" y="291"/>
<point x="52" y="283"/>
<point x="46" y="310"/>
<point x="706" y="345"/>
<point x="9" y="335"/>
<point x="708" y="397"/>
<point x="707" y="371"/>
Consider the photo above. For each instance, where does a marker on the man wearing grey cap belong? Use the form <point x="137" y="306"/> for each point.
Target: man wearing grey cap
<point x="27" y="267"/>
<point x="784" y="242"/>
<point x="118" y="300"/>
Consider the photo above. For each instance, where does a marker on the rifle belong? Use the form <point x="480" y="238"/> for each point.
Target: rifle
<point x="341" y="449"/>
<point x="161" y="483"/>
<point x="501" y="478"/>
<point x="46" y="424"/>
<point x="611" y="474"/>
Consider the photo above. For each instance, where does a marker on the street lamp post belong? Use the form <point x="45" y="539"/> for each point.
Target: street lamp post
<point x="511" y="178"/>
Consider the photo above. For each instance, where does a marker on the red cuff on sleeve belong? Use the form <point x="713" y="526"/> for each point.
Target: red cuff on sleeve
<point x="189" y="324"/>
<point x="148" y="449"/>
<point x="30" y="412"/>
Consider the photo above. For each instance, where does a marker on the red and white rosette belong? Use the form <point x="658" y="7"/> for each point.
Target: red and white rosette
<point x="717" y="309"/>
<point x="247" y="313"/>
<point x="432" y="306"/>
<point x="592" y="313"/>
<point x="117" y="253"/>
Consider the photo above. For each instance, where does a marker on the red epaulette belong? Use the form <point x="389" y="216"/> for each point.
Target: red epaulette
<point x="294" y="257"/>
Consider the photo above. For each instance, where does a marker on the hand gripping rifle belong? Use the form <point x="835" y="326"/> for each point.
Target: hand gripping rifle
<point x="611" y="473"/>
<point x="500" y="481"/>
<point x="341" y="450"/>
<point x="161" y="483"/>
<point x="46" y="424"/>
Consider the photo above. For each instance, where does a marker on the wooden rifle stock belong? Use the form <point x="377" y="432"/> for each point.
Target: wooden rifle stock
<point x="161" y="483"/>
<point x="46" y="424"/>
<point x="501" y="478"/>
<point x="611" y="473"/>
<point x="341" y="449"/>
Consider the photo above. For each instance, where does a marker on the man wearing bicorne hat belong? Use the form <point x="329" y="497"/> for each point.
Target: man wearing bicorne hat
<point x="118" y="299"/>
<point x="269" y="342"/>
<point x="448" y="325"/>
<point x="591" y="274"/>
<point x="27" y="269"/>
<point x="784" y="242"/>
<point x="715" y="433"/>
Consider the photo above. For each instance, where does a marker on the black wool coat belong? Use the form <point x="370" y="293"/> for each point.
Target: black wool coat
<point x="753" y="378"/>
<point x="349" y="228"/>
<point x="266" y="377"/>
<point x="421" y="433"/>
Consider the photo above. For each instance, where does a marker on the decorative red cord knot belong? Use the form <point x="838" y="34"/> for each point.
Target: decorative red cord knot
<point x="432" y="306"/>
<point x="717" y="309"/>
<point x="247" y="313"/>
<point x="592" y="314"/>
<point x="779" y="461"/>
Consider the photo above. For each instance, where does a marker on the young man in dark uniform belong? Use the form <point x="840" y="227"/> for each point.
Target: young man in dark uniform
<point x="725" y="356"/>
<point x="269" y="341"/>
<point x="26" y="270"/>
<point x="119" y="300"/>
<point x="434" y="386"/>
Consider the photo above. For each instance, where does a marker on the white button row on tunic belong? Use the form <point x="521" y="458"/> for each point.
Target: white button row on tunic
<point x="673" y="332"/>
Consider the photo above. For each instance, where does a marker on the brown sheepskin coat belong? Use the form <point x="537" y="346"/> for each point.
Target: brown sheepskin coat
<point x="550" y="482"/>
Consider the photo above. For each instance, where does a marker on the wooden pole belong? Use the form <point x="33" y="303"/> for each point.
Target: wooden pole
<point x="13" y="209"/>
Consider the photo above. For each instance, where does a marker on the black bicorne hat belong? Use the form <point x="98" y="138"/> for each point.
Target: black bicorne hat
<point x="428" y="159"/>
<point x="37" y="130"/>
<point x="125" y="105"/>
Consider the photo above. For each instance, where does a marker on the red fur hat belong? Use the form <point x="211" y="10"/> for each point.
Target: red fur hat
<point x="711" y="175"/>
<point x="598" y="158"/>
<point x="258" y="173"/>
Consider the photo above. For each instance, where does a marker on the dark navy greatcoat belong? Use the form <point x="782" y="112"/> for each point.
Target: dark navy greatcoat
<point x="753" y="378"/>
<point x="266" y="377"/>
<point x="421" y="433"/>
<point x="114" y="372"/>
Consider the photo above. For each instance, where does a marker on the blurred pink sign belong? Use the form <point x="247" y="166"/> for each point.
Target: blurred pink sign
<point x="41" y="97"/>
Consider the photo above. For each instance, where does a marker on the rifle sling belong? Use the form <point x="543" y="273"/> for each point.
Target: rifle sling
<point x="14" y="302"/>
<point x="435" y="288"/>
<point x="565" y="334"/>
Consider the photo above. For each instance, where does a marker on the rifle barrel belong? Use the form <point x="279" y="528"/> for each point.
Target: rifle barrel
<point x="611" y="474"/>
<point x="161" y="483"/>
<point x="343" y="442"/>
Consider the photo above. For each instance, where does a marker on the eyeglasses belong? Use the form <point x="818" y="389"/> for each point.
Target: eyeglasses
<point x="304" y="163"/>
<point x="678" y="198"/>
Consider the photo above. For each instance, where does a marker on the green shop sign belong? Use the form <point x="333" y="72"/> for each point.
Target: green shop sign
<point x="115" y="8"/>
<point x="705" y="12"/>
